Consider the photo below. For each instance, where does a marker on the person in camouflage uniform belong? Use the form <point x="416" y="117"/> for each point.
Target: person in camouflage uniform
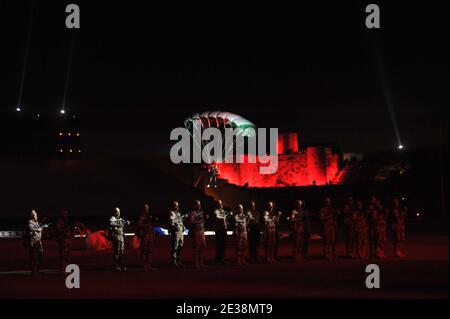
<point x="197" y="230"/>
<point x="398" y="217"/>
<point x="300" y="230"/>
<point x="254" y="232"/>
<point x="176" y="231"/>
<point x="307" y="233"/>
<point x="349" y="234"/>
<point x="34" y="243"/>
<point x="377" y="228"/>
<point x="116" y="227"/>
<point x="240" y="234"/>
<point x="221" y="226"/>
<point x="145" y="224"/>
<point x="65" y="229"/>
<point x="327" y="215"/>
<point x="359" y="218"/>
<point x="372" y="217"/>
<point x="381" y="230"/>
<point x="278" y="215"/>
<point x="270" y="219"/>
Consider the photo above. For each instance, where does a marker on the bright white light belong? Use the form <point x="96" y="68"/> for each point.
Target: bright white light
<point x="38" y="115"/>
<point x="18" y="109"/>
<point x="400" y="147"/>
<point x="62" y="111"/>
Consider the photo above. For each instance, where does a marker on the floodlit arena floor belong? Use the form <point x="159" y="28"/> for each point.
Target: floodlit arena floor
<point x="423" y="274"/>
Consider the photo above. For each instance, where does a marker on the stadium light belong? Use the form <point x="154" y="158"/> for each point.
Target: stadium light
<point x="400" y="147"/>
<point x="19" y="109"/>
<point x="62" y="111"/>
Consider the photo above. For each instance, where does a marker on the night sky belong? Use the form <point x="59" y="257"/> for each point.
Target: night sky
<point x="138" y="71"/>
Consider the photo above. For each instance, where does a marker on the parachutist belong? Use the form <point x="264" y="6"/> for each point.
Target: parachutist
<point x="213" y="172"/>
<point x="270" y="220"/>
<point x="65" y="228"/>
<point x="146" y="222"/>
<point x="300" y="229"/>
<point x="33" y="242"/>
<point x="359" y="222"/>
<point x="327" y="215"/>
<point x="220" y="137"/>
<point x="254" y="231"/>
<point x="240" y="234"/>
<point x="116" y="230"/>
<point x="221" y="226"/>
<point x="398" y="214"/>
<point x="197" y="229"/>
<point x="347" y="212"/>
<point x="176" y="231"/>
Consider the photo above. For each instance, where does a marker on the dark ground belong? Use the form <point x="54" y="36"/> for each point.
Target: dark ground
<point x="423" y="274"/>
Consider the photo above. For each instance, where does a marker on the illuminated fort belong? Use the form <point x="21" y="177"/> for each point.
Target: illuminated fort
<point x="312" y="165"/>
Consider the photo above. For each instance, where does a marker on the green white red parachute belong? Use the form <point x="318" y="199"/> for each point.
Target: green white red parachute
<point x="220" y="120"/>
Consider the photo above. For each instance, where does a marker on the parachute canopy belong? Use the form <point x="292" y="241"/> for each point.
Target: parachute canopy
<point x="222" y="121"/>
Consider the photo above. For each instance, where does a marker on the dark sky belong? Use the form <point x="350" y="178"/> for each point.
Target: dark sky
<point x="138" y="71"/>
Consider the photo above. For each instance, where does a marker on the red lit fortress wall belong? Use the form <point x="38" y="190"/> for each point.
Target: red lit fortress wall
<point x="287" y="143"/>
<point x="292" y="170"/>
<point x="332" y="164"/>
<point x="315" y="165"/>
<point x="250" y="174"/>
<point x="231" y="172"/>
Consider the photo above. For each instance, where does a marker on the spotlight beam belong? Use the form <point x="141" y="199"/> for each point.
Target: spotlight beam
<point x="385" y="87"/>
<point x="69" y="68"/>
<point x="25" y="57"/>
<point x="389" y="102"/>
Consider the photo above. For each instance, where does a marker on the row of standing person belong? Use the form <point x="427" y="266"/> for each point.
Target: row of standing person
<point x="246" y="232"/>
<point x="364" y="230"/>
